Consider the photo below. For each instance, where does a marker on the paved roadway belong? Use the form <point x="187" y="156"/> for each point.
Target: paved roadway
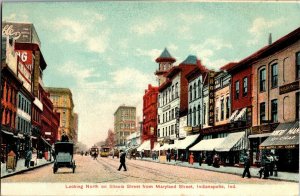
<point x="104" y="170"/>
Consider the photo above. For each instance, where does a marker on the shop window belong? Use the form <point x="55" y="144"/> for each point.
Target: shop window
<point x="274" y="111"/>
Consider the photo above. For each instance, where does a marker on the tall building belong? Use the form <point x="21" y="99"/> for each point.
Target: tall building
<point x="173" y="101"/>
<point x="150" y="114"/>
<point x="63" y="104"/>
<point x="124" y="123"/>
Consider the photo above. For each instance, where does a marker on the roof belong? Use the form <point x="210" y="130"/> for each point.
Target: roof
<point x="190" y="60"/>
<point x="165" y="56"/>
<point x="267" y="50"/>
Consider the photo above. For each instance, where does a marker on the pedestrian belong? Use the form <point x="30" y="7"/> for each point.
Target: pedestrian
<point x="246" y="166"/>
<point x="28" y="157"/>
<point x="271" y="158"/>
<point x="122" y="160"/>
<point x="181" y="157"/>
<point x="191" y="158"/>
<point x="200" y="159"/>
<point x="64" y="137"/>
<point x="216" y="161"/>
<point x="175" y="155"/>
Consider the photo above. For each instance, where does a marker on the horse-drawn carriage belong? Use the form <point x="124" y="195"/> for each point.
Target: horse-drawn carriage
<point x="63" y="156"/>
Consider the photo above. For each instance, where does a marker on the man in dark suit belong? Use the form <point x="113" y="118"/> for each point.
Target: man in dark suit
<point x="64" y="137"/>
<point x="122" y="160"/>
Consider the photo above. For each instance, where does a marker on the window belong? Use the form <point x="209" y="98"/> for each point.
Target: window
<point x="237" y="89"/>
<point x="173" y="114"/>
<point x="199" y="120"/>
<point x="172" y="92"/>
<point x="274" y="75"/>
<point x="191" y="93"/>
<point x="190" y="116"/>
<point x="199" y="89"/>
<point x="204" y="114"/>
<point x="297" y="106"/>
<point x="262" y="80"/>
<point x="262" y="110"/>
<point x="158" y="132"/>
<point x="227" y="107"/>
<point x="217" y="114"/>
<point x="195" y="91"/>
<point x="176" y="90"/>
<point x="222" y="109"/>
<point x="170" y="115"/>
<point x="245" y="86"/>
<point x="195" y="116"/>
<point x="298" y="65"/>
<point x="274" y="112"/>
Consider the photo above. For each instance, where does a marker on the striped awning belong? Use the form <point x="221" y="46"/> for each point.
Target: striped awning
<point x="233" y="142"/>
<point x="183" y="144"/>
<point x="285" y="136"/>
<point x="207" y="145"/>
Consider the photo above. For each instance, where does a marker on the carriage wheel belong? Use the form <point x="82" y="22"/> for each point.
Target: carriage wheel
<point x="74" y="166"/>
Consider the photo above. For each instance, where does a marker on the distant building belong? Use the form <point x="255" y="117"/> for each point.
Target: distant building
<point x="124" y="123"/>
<point x="150" y="114"/>
<point x="63" y="103"/>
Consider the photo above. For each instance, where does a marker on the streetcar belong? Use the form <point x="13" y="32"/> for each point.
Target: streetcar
<point x="94" y="151"/>
<point x="104" y="151"/>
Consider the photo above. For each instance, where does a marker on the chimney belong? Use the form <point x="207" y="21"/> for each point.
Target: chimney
<point x="270" y="38"/>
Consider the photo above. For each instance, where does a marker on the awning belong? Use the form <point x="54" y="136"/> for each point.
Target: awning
<point x="156" y="147"/>
<point x="259" y="135"/>
<point x="233" y="142"/>
<point x="167" y="146"/>
<point x="45" y="141"/>
<point x="144" y="146"/>
<point x="183" y="144"/>
<point x="241" y="115"/>
<point x="232" y="117"/>
<point x="285" y="136"/>
<point x="7" y="132"/>
<point x="207" y="145"/>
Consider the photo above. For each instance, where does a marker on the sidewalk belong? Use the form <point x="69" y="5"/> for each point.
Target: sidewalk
<point x="283" y="176"/>
<point x="21" y="167"/>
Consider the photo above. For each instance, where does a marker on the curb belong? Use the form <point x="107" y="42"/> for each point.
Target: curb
<point x="233" y="173"/>
<point x="25" y="170"/>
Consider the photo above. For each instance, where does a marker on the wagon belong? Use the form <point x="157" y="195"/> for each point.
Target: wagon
<point x="63" y="156"/>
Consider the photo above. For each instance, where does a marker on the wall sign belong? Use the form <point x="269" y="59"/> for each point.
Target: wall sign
<point x="289" y="87"/>
<point x="211" y="99"/>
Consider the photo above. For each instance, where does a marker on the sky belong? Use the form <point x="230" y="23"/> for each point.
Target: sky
<point x="105" y="51"/>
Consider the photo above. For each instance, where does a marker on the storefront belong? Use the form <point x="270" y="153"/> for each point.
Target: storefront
<point x="145" y="148"/>
<point x="181" y="146"/>
<point x="283" y="143"/>
<point x="233" y="148"/>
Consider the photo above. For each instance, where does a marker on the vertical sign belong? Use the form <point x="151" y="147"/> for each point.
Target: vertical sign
<point x="177" y="122"/>
<point x="249" y="116"/>
<point x="211" y="99"/>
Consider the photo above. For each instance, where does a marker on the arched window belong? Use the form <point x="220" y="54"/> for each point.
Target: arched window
<point x="262" y="80"/>
<point x="194" y="117"/>
<point x="199" y="120"/>
<point x="199" y="88"/>
<point x="195" y="91"/>
<point x="191" y="93"/>
<point x="190" y="117"/>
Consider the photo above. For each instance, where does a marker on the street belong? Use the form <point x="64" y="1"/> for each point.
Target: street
<point x="104" y="170"/>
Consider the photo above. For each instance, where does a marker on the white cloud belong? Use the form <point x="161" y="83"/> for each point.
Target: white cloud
<point x="205" y="52"/>
<point x="153" y="53"/>
<point x="14" y="17"/>
<point x="149" y="27"/>
<point x="80" y="32"/>
<point x="94" y="17"/>
<point x="172" y="47"/>
<point x="262" y="27"/>
<point x="131" y="77"/>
